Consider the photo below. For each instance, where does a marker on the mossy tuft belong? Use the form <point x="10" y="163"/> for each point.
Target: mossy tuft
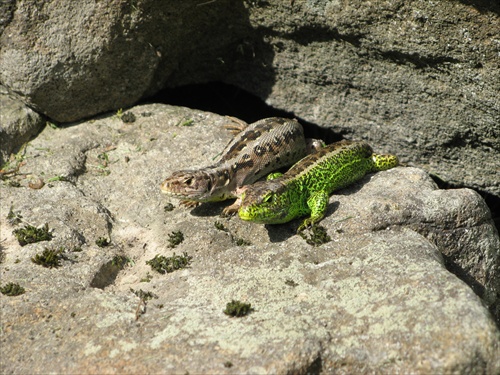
<point x="58" y="178"/>
<point x="175" y="238"/>
<point x="164" y="264"/>
<point x="146" y="279"/>
<point x="238" y="308"/>
<point x="30" y="234"/>
<point x="290" y="282"/>
<point x="168" y="207"/>
<point x="120" y="261"/>
<point x="102" y="242"/>
<point x="12" y="289"/>
<point x="318" y="236"/>
<point x="14" y="217"/>
<point x="241" y="242"/>
<point x="119" y="113"/>
<point x="185" y="122"/>
<point x="219" y="226"/>
<point x="128" y="117"/>
<point x="49" y="258"/>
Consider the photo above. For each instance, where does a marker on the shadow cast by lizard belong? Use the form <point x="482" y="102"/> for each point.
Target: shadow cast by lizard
<point x="210" y="209"/>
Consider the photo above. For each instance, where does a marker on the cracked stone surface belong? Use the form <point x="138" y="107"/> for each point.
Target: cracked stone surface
<point x="379" y="297"/>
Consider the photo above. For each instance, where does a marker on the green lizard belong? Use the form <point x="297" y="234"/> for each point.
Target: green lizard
<point x="306" y="187"/>
<point x="257" y="150"/>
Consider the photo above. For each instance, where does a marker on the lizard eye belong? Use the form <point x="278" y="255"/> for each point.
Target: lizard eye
<point x="188" y="181"/>
<point x="268" y="197"/>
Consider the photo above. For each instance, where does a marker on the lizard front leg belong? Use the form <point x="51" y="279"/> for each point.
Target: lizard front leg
<point x="317" y="203"/>
<point x="232" y="209"/>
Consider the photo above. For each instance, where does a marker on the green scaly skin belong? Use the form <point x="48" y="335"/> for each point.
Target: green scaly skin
<point x="306" y="187"/>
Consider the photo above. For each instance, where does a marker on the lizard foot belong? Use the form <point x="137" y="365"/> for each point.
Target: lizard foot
<point x="232" y="209"/>
<point x="228" y="211"/>
<point x="307" y="223"/>
<point x="190" y="204"/>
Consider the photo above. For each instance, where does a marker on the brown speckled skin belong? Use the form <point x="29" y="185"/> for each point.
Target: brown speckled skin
<point x="259" y="149"/>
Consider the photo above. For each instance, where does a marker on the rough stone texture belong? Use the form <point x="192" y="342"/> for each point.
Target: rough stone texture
<point x="377" y="298"/>
<point x="18" y="124"/>
<point x="456" y="221"/>
<point x="421" y="78"/>
<point x="73" y="62"/>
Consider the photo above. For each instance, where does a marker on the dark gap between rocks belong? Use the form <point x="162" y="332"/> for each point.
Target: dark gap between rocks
<point x="224" y="99"/>
<point x="228" y="100"/>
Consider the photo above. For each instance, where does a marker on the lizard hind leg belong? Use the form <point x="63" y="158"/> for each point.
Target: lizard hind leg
<point x="235" y="125"/>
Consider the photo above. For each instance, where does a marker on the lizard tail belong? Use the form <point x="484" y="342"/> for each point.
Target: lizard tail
<point x="383" y="162"/>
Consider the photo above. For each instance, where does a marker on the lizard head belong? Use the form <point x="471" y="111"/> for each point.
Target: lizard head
<point x="188" y="185"/>
<point x="264" y="203"/>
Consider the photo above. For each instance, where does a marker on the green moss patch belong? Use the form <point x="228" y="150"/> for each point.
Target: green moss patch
<point x="238" y="308"/>
<point x="14" y="217"/>
<point x="12" y="289"/>
<point x="318" y="236"/>
<point x="49" y="258"/>
<point x="102" y="242"/>
<point x="30" y="234"/>
<point x="175" y="238"/>
<point x="241" y="242"/>
<point x="219" y="226"/>
<point x="145" y="296"/>
<point x="164" y="264"/>
<point x="168" y="207"/>
<point x="120" y="261"/>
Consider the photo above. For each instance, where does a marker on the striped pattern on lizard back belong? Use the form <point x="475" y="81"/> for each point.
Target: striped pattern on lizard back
<point x="306" y="187"/>
<point x="259" y="149"/>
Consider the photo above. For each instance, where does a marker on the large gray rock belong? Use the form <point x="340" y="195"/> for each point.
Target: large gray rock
<point x="376" y="298"/>
<point x="420" y="78"/>
<point x="71" y="62"/>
